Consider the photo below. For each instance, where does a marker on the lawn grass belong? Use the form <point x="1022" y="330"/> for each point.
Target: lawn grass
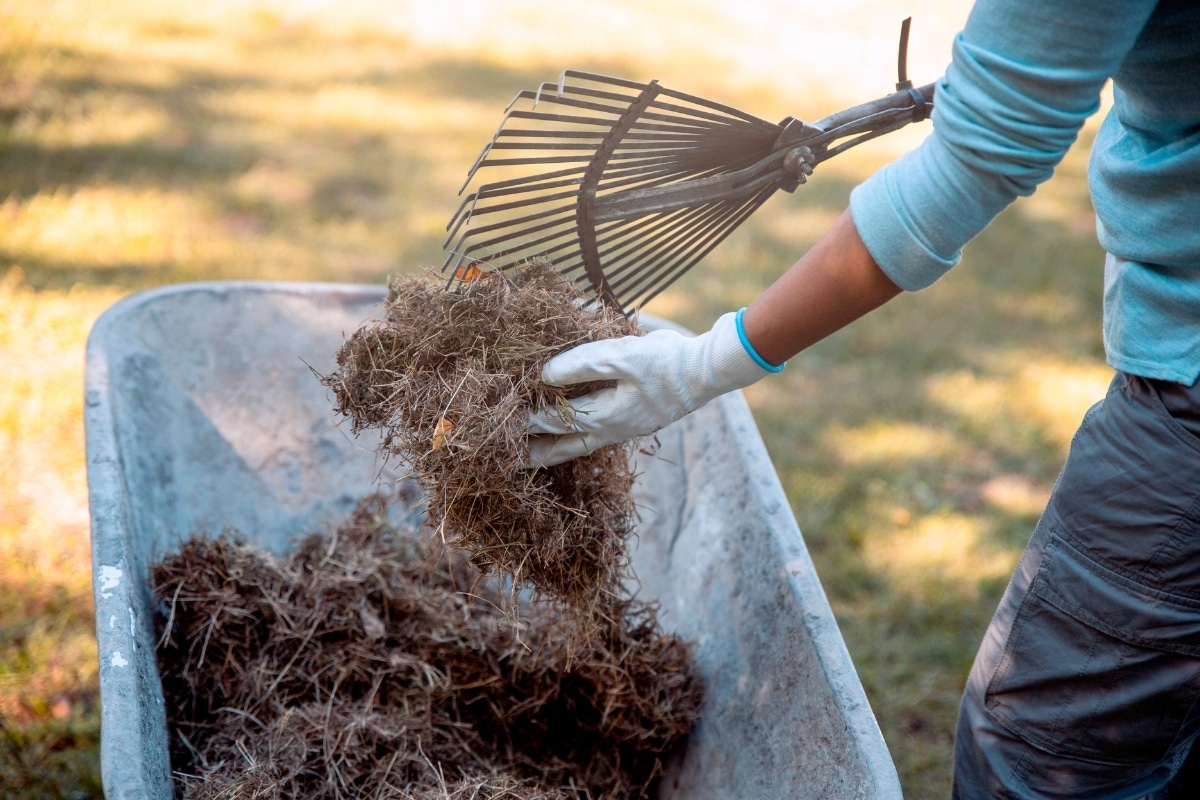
<point x="146" y="143"/>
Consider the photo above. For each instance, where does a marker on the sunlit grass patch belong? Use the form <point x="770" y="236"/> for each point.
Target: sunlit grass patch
<point x="1060" y="394"/>
<point x="1035" y="401"/>
<point x="103" y="226"/>
<point x="48" y="670"/>
<point x="894" y="444"/>
<point x="923" y="556"/>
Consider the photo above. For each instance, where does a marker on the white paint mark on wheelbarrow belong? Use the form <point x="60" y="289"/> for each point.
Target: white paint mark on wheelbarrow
<point x="118" y="660"/>
<point x="797" y="567"/>
<point x="110" y="578"/>
<point x="112" y="622"/>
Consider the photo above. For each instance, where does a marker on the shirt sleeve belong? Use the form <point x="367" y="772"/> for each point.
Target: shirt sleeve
<point x="1024" y="76"/>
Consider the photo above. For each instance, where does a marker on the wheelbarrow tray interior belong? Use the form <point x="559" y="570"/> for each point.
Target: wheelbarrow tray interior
<point x="203" y="413"/>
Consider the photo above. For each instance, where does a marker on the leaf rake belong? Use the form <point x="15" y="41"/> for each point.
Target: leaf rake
<point x="624" y="186"/>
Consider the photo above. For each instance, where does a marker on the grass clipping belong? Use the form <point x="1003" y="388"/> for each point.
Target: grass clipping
<point x="450" y="378"/>
<point x="372" y="664"/>
<point x="384" y="663"/>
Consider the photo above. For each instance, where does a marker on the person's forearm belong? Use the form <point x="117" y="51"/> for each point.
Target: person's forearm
<point x="833" y="284"/>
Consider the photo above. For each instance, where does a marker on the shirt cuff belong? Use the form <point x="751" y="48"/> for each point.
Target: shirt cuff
<point x="896" y="249"/>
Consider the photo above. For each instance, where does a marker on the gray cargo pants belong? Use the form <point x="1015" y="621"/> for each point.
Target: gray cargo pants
<point x="1087" y="684"/>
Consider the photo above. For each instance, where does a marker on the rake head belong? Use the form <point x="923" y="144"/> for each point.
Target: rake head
<point x="624" y="186"/>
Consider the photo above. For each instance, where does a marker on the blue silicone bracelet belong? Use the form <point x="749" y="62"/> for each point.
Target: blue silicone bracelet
<point x="762" y="362"/>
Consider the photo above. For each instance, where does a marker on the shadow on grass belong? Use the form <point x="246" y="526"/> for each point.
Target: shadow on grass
<point x="55" y="760"/>
<point x="352" y="194"/>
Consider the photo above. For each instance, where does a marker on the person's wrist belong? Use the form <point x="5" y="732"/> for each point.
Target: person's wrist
<point x="749" y="347"/>
<point x="729" y="364"/>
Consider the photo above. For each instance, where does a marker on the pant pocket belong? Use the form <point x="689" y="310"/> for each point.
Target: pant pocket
<point x="1098" y="666"/>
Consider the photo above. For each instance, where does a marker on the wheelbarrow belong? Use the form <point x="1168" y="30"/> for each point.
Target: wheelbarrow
<point x="202" y="413"/>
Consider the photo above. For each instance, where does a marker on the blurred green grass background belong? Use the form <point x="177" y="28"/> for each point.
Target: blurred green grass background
<point x="144" y="143"/>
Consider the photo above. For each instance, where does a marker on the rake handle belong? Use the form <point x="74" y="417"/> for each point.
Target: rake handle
<point x="872" y="118"/>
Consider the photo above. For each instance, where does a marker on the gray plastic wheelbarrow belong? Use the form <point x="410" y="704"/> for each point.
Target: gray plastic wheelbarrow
<point x="202" y="413"/>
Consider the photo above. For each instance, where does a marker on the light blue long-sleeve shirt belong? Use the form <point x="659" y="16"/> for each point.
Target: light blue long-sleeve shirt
<point x="1025" y="75"/>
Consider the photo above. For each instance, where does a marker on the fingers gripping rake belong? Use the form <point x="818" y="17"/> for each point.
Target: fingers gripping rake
<point x="624" y="186"/>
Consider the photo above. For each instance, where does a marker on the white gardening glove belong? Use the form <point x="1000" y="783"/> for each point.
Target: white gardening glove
<point x="659" y="378"/>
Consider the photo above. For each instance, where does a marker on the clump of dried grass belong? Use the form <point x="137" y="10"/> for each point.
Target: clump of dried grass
<point x="371" y="663"/>
<point x="450" y="378"/>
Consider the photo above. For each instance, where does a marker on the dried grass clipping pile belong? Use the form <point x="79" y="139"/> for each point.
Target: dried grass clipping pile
<point x="366" y="665"/>
<point x="450" y="378"/>
<point x="386" y="664"/>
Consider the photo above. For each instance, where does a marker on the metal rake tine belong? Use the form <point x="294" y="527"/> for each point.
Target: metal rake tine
<point x="721" y="108"/>
<point x="525" y="183"/>
<point x="695" y="223"/>
<point x="525" y="187"/>
<point x="517" y="162"/>
<point x="701" y="249"/>
<point x="685" y="126"/>
<point x="718" y="149"/>
<point x="714" y="141"/>
<point x="638" y="177"/>
<point x="614" y="234"/>
<point x="546" y="223"/>
<point x="644" y="130"/>
<point x="650" y="167"/>
<point x="623" y="156"/>
<point x="526" y="180"/>
<point x="652" y="170"/>
<point x="559" y="91"/>
<point x="535" y="133"/>
<point x="601" y="108"/>
<point x="678" y="138"/>
<point x="574" y="92"/>
<point x="596" y="77"/>
<point x="532" y="115"/>
<point x="570" y="119"/>
<point x="468" y="245"/>
<point x="572" y="145"/>
<point x="638" y="157"/>
<point x="459" y="219"/>
<point x="565" y="236"/>
<point x="673" y="155"/>
<point x="629" y="247"/>
<point x="628" y="84"/>
<point x="661" y="145"/>
<point x="688" y="220"/>
<point x="483" y="160"/>
<point x="657" y="111"/>
<point x="694" y="116"/>
<point x="539" y="217"/>
<point x="523" y="94"/>
<point x="616" y="189"/>
<point x="477" y="211"/>
<point x="489" y="206"/>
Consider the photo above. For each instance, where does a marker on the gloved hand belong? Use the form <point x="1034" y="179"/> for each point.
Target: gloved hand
<point x="659" y="378"/>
